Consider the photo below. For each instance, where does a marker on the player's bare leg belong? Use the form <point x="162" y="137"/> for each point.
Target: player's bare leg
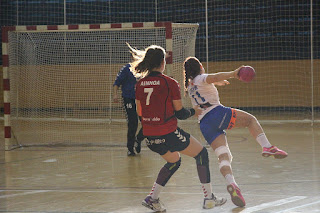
<point x="220" y="146"/>
<point x="245" y="119"/>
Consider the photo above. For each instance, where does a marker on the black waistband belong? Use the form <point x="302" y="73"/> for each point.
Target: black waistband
<point x="205" y="105"/>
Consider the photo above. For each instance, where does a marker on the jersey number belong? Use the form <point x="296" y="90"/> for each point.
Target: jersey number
<point x="199" y="96"/>
<point x="149" y="91"/>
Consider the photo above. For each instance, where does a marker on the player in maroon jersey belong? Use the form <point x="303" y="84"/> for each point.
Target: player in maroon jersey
<point x="159" y="105"/>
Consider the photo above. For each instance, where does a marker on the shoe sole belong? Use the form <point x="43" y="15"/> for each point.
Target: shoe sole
<point x="236" y="200"/>
<point x="214" y="204"/>
<point x="146" y="205"/>
<point x="149" y="207"/>
<point x="276" y="156"/>
<point x="220" y="204"/>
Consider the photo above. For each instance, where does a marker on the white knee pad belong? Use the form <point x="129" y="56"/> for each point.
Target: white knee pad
<point x="224" y="163"/>
<point x="223" y="150"/>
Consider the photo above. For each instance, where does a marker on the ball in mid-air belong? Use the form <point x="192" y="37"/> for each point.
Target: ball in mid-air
<point x="246" y="74"/>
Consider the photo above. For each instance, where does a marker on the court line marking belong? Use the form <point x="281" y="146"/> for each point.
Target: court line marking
<point x="272" y="204"/>
<point x="93" y="191"/>
<point x="247" y="210"/>
<point x="123" y="192"/>
<point x="24" y="193"/>
<point x="298" y="207"/>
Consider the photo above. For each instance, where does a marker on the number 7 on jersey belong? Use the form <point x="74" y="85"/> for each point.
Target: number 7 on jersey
<point x="149" y="91"/>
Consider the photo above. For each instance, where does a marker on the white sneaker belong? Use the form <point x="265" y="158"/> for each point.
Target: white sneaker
<point x="210" y="203"/>
<point x="153" y="204"/>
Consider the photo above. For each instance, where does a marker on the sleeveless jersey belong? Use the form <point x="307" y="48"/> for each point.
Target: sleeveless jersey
<point x="156" y="93"/>
<point x="202" y="93"/>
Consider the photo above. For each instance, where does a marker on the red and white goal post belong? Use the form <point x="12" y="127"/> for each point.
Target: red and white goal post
<point x="58" y="79"/>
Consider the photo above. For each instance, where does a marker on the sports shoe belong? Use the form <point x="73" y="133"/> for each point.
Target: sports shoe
<point x="274" y="151"/>
<point x="131" y="153"/>
<point x="236" y="195"/>
<point x="137" y="146"/>
<point x="210" y="203"/>
<point x="153" y="204"/>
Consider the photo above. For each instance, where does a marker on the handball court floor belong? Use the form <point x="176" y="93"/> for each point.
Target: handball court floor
<point x="104" y="179"/>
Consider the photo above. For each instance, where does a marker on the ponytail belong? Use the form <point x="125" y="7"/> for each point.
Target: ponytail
<point x="146" y="60"/>
<point x="192" y="68"/>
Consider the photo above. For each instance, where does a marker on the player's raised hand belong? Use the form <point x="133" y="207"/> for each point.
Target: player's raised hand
<point x="236" y="72"/>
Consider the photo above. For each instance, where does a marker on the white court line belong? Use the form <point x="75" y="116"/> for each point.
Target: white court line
<point x="272" y="204"/>
<point x="298" y="207"/>
<point x="24" y="193"/>
<point x="97" y="191"/>
<point x="118" y="192"/>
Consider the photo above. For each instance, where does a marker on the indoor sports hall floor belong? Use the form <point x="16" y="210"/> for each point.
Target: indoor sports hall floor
<point x="54" y="179"/>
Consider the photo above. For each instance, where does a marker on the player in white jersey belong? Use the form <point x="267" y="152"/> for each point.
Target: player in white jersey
<point x="216" y="118"/>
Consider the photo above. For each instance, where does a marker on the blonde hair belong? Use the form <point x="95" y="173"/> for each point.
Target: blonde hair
<point x="144" y="61"/>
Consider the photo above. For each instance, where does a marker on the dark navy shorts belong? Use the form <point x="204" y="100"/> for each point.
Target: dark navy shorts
<point x="216" y="121"/>
<point x="174" y="142"/>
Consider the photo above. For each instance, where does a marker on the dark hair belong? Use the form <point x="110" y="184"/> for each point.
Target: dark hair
<point x="146" y="60"/>
<point x="192" y="68"/>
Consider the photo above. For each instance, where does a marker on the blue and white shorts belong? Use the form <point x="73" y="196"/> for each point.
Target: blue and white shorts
<point x="216" y="121"/>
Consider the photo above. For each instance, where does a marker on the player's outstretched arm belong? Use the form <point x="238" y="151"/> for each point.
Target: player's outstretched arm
<point x="221" y="83"/>
<point x="221" y="76"/>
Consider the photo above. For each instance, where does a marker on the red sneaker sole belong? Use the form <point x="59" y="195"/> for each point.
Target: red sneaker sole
<point x="236" y="200"/>
<point x="277" y="156"/>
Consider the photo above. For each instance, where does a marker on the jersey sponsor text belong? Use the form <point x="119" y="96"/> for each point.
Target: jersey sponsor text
<point x="150" y="83"/>
<point x="151" y="119"/>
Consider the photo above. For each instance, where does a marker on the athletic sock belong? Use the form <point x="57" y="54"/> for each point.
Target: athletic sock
<point x="155" y="191"/>
<point x="263" y="140"/>
<point x="230" y="179"/>
<point x="207" y="190"/>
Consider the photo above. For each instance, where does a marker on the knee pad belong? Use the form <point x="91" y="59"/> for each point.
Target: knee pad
<point x="202" y="162"/>
<point x="202" y="158"/>
<point x="167" y="171"/>
<point x="223" y="150"/>
<point x="224" y="163"/>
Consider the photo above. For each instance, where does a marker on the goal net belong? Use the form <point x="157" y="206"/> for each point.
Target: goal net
<point x="61" y="79"/>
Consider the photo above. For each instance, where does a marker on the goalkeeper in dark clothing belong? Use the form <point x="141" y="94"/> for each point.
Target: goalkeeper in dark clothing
<point x="127" y="81"/>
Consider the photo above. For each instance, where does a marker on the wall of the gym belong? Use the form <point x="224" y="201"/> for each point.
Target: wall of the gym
<point x="277" y="84"/>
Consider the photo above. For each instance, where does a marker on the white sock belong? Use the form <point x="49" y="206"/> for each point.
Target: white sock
<point x="155" y="191"/>
<point x="230" y="179"/>
<point x="263" y="140"/>
<point x="207" y="190"/>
